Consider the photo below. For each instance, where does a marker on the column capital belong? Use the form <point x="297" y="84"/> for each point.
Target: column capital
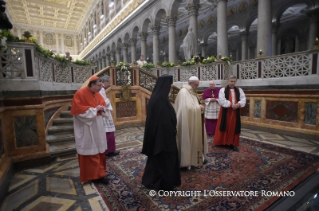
<point x="244" y="35"/>
<point x="171" y="20"/>
<point x="118" y="49"/>
<point x="203" y="44"/>
<point x="143" y="35"/>
<point x="275" y="26"/>
<point x="193" y="8"/>
<point x="156" y="29"/>
<point x="313" y="14"/>
<point x="125" y="46"/>
<point x="132" y="41"/>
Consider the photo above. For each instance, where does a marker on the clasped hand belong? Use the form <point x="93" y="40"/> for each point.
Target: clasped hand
<point x="100" y="108"/>
<point x="235" y="106"/>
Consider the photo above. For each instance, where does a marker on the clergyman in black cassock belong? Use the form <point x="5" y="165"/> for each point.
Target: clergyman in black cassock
<point x="162" y="167"/>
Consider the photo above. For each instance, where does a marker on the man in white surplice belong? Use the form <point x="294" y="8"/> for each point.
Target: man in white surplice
<point x="87" y="108"/>
<point x="191" y="138"/>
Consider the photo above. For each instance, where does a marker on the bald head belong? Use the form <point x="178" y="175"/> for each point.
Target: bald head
<point x="212" y="85"/>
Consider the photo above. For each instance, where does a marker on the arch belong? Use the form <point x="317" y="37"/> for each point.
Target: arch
<point x="119" y="42"/>
<point x="113" y="46"/>
<point x="135" y="32"/>
<point x="173" y="11"/>
<point x="49" y="39"/>
<point x="278" y="13"/>
<point x="159" y="16"/>
<point x="126" y="38"/>
<point x="146" y="24"/>
<point x="207" y="34"/>
<point x="108" y="49"/>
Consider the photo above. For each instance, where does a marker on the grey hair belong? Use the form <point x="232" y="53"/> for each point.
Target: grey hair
<point x="105" y="78"/>
<point x="94" y="82"/>
<point x="232" y="77"/>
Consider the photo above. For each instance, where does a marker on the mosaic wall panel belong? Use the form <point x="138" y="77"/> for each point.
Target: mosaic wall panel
<point x="1" y="141"/>
<point x="169" y="71"/>
<point x="282" y="111"/>
<point x="126" y="109"/>
<point x="81" y="74"/>
<point x="62" y="74"/>
<point x="245" y="111"/>
<point x="310" y="113"/>
<point x="257" y="109"/>
<point x="147" y="81"/>
<point x="208" y="73"/>
<point x="45" y="69"/>
<point x="25" y="131"/>
<point x="48" y="114"/>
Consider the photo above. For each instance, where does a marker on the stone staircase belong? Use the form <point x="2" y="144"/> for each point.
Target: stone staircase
<point x="61" y="135"/>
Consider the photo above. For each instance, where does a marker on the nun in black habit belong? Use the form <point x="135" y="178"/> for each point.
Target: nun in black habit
<point x="162" y="166"/>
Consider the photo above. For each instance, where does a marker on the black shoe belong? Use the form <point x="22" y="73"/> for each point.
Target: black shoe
<point x="205" y="161"/>
<point x="234" y="148"/>
<point x="113" y="153"/>
<point x="103" y="180"/>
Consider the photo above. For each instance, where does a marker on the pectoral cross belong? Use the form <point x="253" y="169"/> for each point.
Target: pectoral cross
<point x="199" y="157"/>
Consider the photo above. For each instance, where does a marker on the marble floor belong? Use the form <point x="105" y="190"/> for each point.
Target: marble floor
<point x="56" y="187"/>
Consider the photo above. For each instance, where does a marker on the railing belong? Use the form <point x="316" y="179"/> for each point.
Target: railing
<point x="300" y="66"/>
<point x="21" y="61"/>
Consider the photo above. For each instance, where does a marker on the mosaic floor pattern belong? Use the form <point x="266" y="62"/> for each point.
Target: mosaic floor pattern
<point x="56" y="186"/>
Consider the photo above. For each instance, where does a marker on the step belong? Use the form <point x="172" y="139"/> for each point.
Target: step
<point x="58" y="129"/>
<point x="63" y="121"/>
<point x="62" y="148"/>
<point x="60" y="137"/>
<point x="66" y="114"/>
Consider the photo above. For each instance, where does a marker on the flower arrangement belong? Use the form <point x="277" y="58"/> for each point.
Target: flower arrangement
<point x="189" y="63"/>
<point x="226" y="59"/>
<point x="148" y="65"/>
<point x="209" y="60"/>
<point x="81" y="62"/>
<point x="168" y="64"/>
<point x="123" y="65"/>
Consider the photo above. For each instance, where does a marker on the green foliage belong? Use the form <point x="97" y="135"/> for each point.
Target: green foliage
<point x="208" y="60"/>
<point x="168" y="64"/>
<point x="148" y="65"/>
<point x="226" y="59"/>
<point x="189" y="63"/>
<point x="6" y="34"/>
<point x="81" y="62"/>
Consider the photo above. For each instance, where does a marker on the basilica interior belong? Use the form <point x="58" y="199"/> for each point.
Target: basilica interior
<point x="271" y="46"/>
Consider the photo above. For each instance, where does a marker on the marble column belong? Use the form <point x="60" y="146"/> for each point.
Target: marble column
<point x="222" y="36"/>
<point x="172" y="39"/>
<point x="62" y="43"/>
<point x="104" y="61"/>
<point x="279" y="47"/>
<point x="275" y="27"/>
<point x="204" y="47"/>
<point x="193" y="14"/>
<point x="313" y="29"/>
<point x="244" y="47"/>
<point x="264" y="26"/>
<point x="118" y="55"/>
<point x="112" y="55"/>
<point x="76" y="39"/>
<point x="108" y="59"/>
<point x="296" y="44"/>
<point x="125" y="47"/>
<point x="234" y="54"/>
<point x="57" y="43"/>
<point x="156" y="31"/>
<point x="41" y="38"/>
<point x="143" y="36"/>
<point x="133" y="49"/>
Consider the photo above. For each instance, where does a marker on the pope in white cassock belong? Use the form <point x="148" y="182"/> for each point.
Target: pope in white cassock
<point x="191" y="141"/>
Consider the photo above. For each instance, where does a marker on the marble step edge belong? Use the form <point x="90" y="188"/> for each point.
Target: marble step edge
<point x="60" y="138"/>
<point x="66" y="113"/>
<point x="64" y="151"/>
<point x="61" y="128"/>
<point x="62" y="121"/>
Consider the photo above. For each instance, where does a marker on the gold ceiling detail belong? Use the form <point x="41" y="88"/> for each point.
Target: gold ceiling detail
<point x="60" y="14"/>
<point x="126" y="11"/>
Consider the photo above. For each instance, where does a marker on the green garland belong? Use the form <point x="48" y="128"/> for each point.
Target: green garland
<point x="148" y="65"/>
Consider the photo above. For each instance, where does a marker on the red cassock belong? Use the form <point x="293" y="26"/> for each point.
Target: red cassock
<point x="227" y="137"/>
